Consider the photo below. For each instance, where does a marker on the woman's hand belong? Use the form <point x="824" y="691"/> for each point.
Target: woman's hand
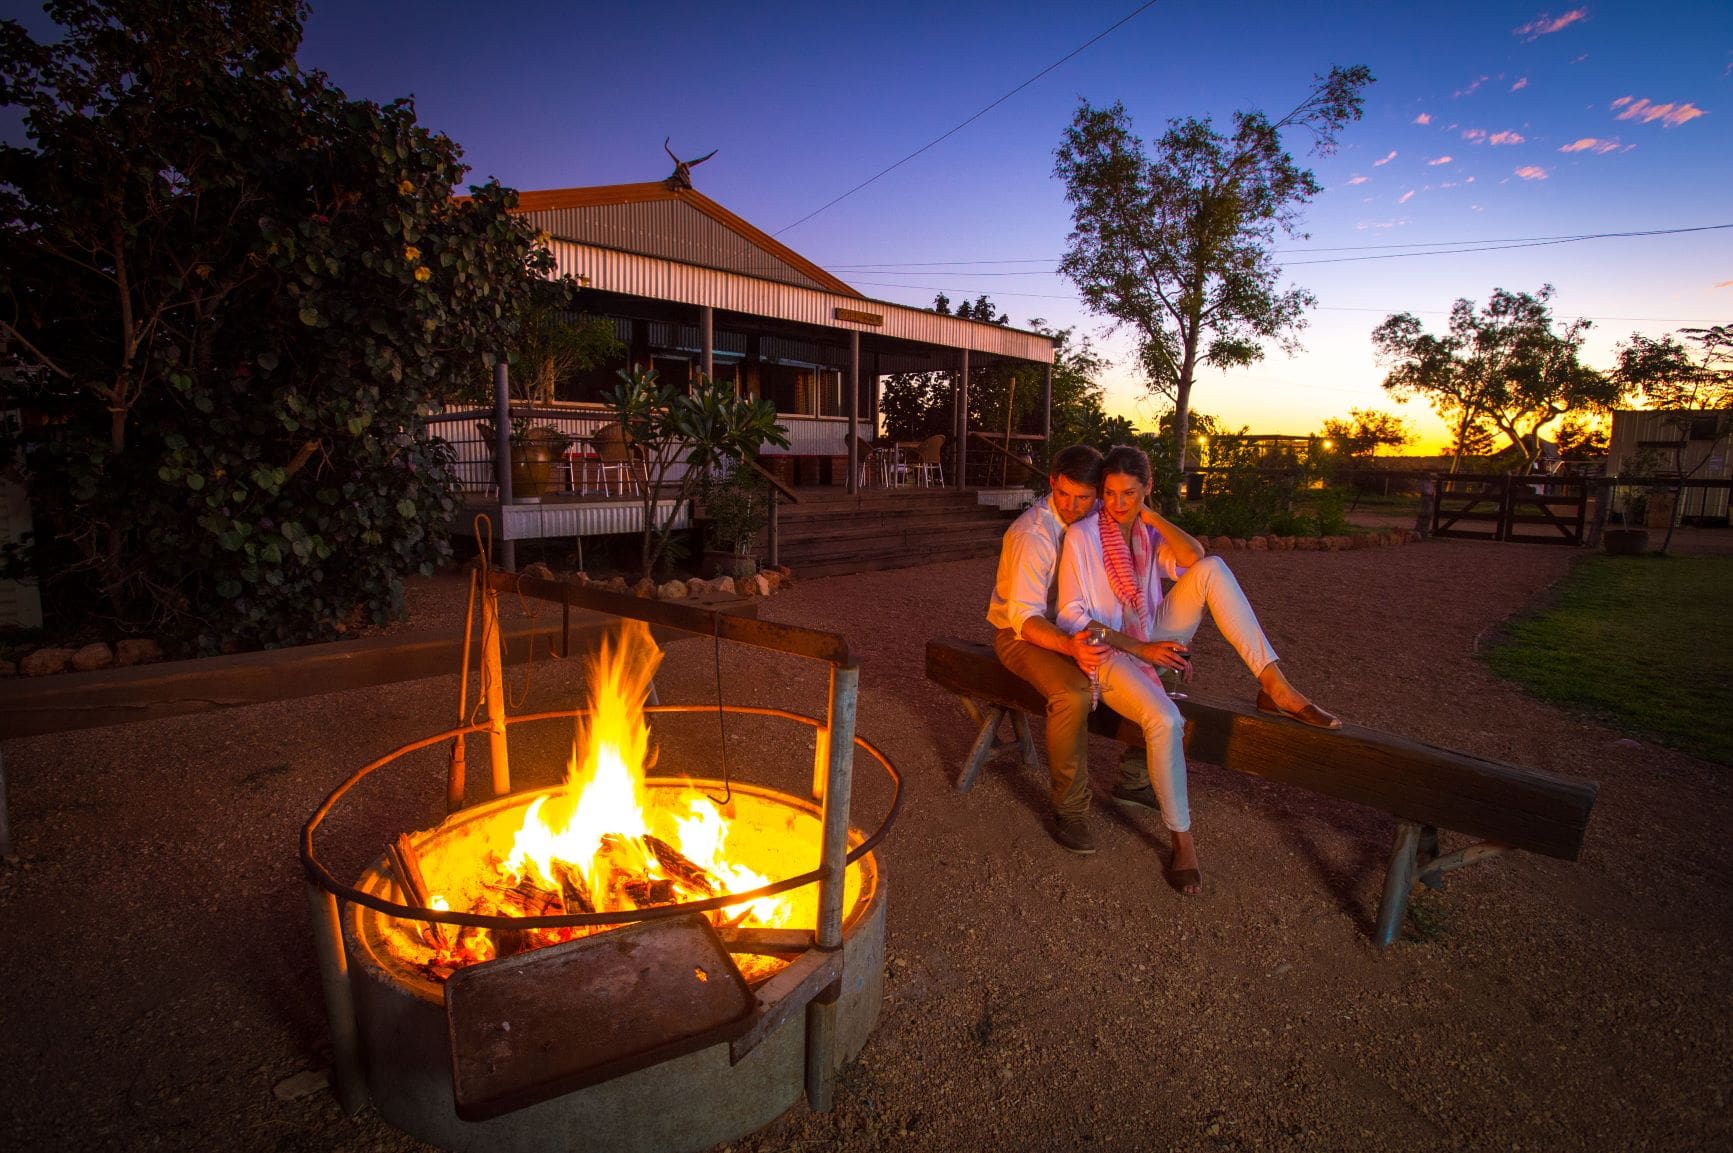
<point x="1167" y="655"/>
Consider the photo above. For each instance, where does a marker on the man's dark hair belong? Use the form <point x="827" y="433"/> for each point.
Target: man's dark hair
<point x="1080" y="463"/>
<point x="1126" y="460"/>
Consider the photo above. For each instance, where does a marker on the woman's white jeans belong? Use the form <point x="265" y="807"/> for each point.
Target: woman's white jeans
<point x="1131" y="691"/>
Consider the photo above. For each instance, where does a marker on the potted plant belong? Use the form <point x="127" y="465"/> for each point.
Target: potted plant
<point x="735" y="511"/>
<point x="1630" y="537"/>
<point x="535" y="450"/>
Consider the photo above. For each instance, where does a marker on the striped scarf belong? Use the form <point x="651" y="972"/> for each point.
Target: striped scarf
<point x="1128" y="573"/>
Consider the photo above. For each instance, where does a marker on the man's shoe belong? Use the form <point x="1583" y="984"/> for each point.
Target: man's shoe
<point x="1141" y="797"/>
<point x="1073" y="835"/>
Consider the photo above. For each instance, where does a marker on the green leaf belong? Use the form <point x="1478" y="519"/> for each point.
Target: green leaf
<point x="309" y="316"/>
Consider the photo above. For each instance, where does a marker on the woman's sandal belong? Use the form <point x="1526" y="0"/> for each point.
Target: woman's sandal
<point x="1186" y="882"/>
<point x="1310" y="715"/>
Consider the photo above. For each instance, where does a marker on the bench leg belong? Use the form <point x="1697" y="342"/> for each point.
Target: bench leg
<point x="983" y="748"/>
<point x="1020" y="722"/>
<point x="1397" y="882"/>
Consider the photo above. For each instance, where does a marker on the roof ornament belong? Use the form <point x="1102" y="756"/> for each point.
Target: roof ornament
<point x="681" y="177"/>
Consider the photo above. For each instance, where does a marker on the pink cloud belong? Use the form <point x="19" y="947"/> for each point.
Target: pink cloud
<point x="1506" y="137"/>
<point x="1405" y="197"/>
<point x="1475" y="83"/>
<point x="1670" y="115"/>
<point x="1519" y="85"/>
<point x="1546" y="24"/>
<point x="1725" y="284"/>
<point x="1591" y="144"/>
<point x="1365" y="224"/>
<point x="1423" y="118"/>
<point x="1474" y="135"/>
<point x="1532" y="172"/>
<point x="1386" y="160"/>
<point x="1357" y="179"/>
<point x="1438" y="161"/>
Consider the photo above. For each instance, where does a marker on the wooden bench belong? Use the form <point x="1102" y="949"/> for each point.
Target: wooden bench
<point x="1424" y="787"/>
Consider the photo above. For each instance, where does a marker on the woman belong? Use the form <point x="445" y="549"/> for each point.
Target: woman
<point x="1110" y="577"/>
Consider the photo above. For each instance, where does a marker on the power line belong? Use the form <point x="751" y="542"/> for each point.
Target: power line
<point x="1445" y="247"/>
<point x="1075" y="299"/>
<point x="1141" y="9"/>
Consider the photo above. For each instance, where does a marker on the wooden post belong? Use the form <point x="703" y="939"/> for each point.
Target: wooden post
<point x="707" y="340"/>
<point x="493" y="685"/>
<point x="5" y="821"/>
<point x="1010" y="408"/>
<point x="502" y="457"/>
<point x="1047" y="412"/>
<point x="853" y="413"/>
<point x="1603" y="490"/>
<point x="961" y="456"/>
<point x="346" y="1076"/>
<point x="834" y="767"/>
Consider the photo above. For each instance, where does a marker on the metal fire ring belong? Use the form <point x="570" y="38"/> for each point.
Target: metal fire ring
<point x="319" y="876"/>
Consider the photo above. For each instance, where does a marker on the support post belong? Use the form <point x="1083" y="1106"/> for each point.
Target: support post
<point x="493" y="684"/>
<point x="833" y="772"/>
<point x="853" y="413"/>
<point x="6" y="852"/>
<point x="707" y="340"/>
<point x="961" y="456"/>
<point x="1393" y="905"/>
<point x="772" y="495"/>
<point x="502" y="457"/>
<point x="346" y="1076"/>
<point x="1047" y="413"/>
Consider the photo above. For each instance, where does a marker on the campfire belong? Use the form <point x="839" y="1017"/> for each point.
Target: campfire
<point x="609" y="839"/>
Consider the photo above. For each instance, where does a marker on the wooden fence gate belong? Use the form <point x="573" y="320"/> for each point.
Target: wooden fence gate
<point x="1523" y="509"/>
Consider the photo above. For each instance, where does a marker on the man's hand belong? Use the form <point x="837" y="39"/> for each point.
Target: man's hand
<point x="1167" y="655"/>
<point x="1087" y="656"/>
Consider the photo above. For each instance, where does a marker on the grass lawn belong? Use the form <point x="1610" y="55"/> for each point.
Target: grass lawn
<point x="1642" y="643"/>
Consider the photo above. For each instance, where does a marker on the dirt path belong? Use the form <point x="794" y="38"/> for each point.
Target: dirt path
<point x="160" y="979"/>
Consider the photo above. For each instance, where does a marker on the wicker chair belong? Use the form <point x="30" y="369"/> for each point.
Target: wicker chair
<point x="617" y="457"/>
<point x="928" y="467"/>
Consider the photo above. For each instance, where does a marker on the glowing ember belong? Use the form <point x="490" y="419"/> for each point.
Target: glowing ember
<point x="606" y="841"/>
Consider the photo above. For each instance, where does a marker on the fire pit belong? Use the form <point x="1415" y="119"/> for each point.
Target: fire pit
<point x="719" y="879"/>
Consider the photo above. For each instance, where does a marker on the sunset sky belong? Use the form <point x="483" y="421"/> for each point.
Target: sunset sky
<point x="1491" y="126"/>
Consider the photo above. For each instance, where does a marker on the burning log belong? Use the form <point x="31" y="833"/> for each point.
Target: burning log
<point x="527" y="898"/>
<point x="407" y="867"/>
<point x="674" y="862"/>
<point x="647" y="891"/>
<point x="573" y="891"/>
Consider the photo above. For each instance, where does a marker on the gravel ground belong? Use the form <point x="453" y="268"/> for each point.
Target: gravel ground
<point x="160" y="988"/>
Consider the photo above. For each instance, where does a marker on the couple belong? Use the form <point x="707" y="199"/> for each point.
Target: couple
<point x="1092" y="555"/>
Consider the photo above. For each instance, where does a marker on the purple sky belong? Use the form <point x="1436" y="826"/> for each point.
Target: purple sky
<point x="1489" y="122"/>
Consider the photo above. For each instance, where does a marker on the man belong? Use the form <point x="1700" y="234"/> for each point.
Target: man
<point x="1057" y="663"/>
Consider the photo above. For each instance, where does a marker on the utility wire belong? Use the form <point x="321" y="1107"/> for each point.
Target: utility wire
<point x="1063" y="59"/>
<point x="1445" y="247"/>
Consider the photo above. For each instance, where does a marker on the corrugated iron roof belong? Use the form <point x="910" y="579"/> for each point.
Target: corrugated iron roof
<point x="562" y="211"/>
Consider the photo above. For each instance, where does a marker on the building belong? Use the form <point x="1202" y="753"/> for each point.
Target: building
<point x="690" y="287"/>
<point x="1694" y="445"/>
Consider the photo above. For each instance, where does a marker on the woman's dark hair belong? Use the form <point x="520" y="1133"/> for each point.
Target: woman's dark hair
<point x="1127" y="461"/>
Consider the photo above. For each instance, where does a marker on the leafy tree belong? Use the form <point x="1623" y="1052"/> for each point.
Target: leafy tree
<point x="682" y="437"/>
<point x="233" y="292"/>
<point x="1366" y="431"/>
<point x="1505" y="366"/>
<point x="1178" y="244"/>
<point x="1671" y="374"/>
<point x="1581" y="438"/>
<point x="1686" y="381"/>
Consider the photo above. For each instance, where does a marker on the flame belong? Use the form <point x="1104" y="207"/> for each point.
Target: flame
<point x="602" y="832"/>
